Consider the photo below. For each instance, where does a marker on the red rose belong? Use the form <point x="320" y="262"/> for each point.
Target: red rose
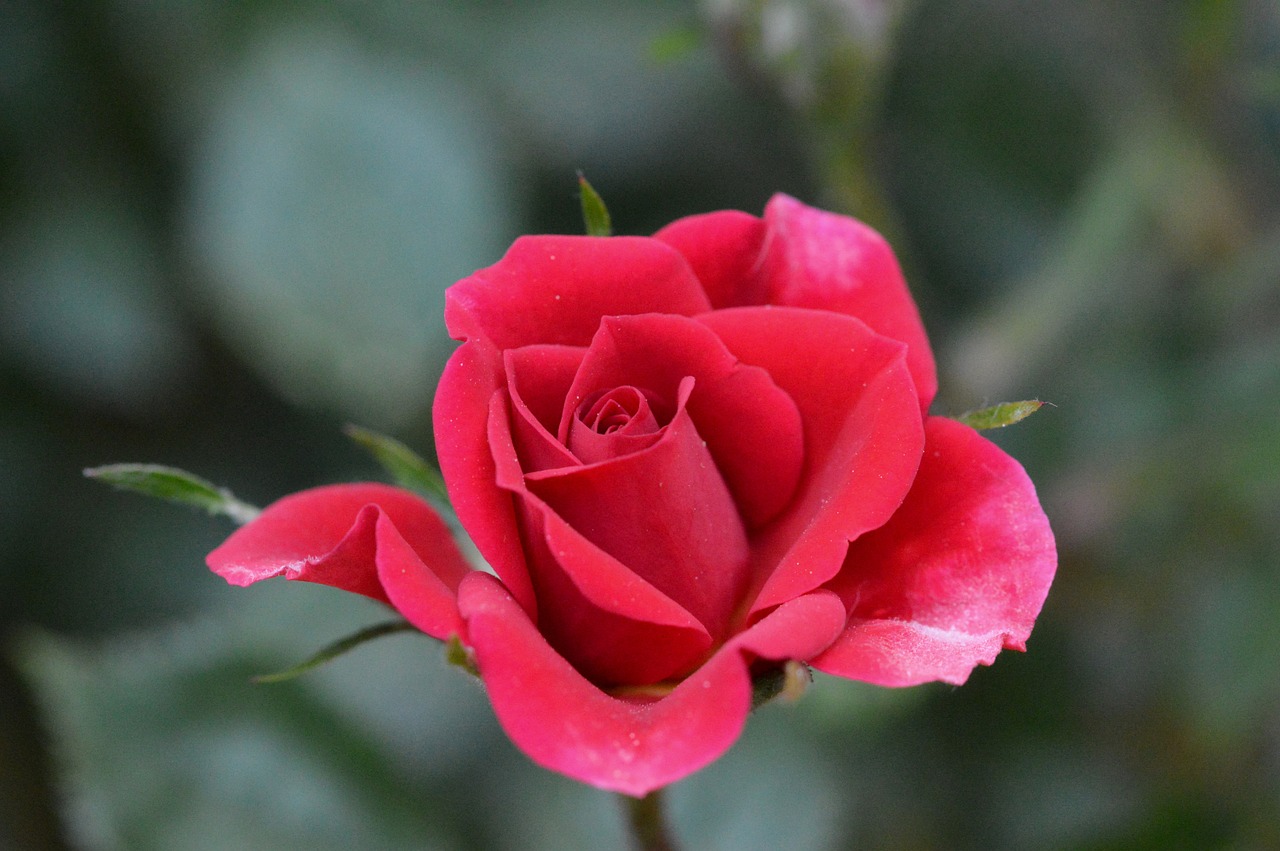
<point x="687" y="458"/>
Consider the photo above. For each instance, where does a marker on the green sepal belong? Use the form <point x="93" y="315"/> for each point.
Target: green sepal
<point x="336" y="649"/>
<point x="457" y="653"/>
<point x="174" y="485"/>
<point x="407" y="468"/>
<point x="999" y="416"/>
<point x="788" y="682"/>
<point x="595" y="215"/>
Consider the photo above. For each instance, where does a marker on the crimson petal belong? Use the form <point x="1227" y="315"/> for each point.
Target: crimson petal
<point x="428" y="599"/>
<point x="961" y="570"/>
<point x="724" y="249"/>
<point x="826" y="261"/>
<point x="471" y="379"/>
<point x="611" y="624"/>
<point x="862" y="435"/>
<point x="554" y="289"/>
<point x="666" y="514"/>
<point x="614" y="625"/>
<point x="541" y="377"/>
<point x="631" y="745"/>
<point x="752" y="428"/>
<point x="371" y="539"/>
<point x="537" y="379"/>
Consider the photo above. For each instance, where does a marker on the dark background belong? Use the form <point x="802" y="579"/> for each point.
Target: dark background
<point x="225" y="229"/>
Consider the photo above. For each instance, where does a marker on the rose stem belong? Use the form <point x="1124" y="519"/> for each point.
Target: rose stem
<point x="647" y="817"/>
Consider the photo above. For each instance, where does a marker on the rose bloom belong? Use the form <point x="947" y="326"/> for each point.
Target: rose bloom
<point x="688" y="459"/>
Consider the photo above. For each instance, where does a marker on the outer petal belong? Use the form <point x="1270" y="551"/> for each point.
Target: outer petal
<point x="725" y="250"/>
<point x="960" y="571"/>
<point x="372" y="539"/>
<point x="626" y="744"/>
<point x="555" y="289"/>
<point x="862" y="435"/>
<point x="460" y="419"/>
<point x="427" y="599"/>
<point x="831" y="262"/>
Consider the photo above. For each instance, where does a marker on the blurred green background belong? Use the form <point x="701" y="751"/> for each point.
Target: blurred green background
<point x="225" y="230"/>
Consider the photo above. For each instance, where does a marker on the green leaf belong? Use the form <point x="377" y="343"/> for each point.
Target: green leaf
<point x="174" y="485"/>
<point x="999" y="416"/>
<point x="594" y="213"/>
<point x="336" y="649"/>
<point x="407" y="468"/>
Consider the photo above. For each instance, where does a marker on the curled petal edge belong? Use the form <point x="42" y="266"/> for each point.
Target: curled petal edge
<point x="627" y="744"/>
<point x="959" y="573"/>
<point x="901" y="653"/>
<point x="818" y="259"/>
<point x="371" y="539"/>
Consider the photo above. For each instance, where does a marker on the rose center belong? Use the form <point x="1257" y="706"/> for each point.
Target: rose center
<point x="624" y="409"/>
<point x="616" y="422"/>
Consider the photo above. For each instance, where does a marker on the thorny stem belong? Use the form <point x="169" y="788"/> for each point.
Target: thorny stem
<point x="647" y="819"/>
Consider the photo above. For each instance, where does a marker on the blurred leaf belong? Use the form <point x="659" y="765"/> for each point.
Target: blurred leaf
<point x="595" y="215"/>
<point x="676" y="43"/>
<point x="162" y="740"/>
<point x="185" y="756"/>
<point x="585" y="91"/>
<point x="84" y="308"/>
<point x="407" y="468"/>
<point x="999" y="416"/>
<point x="335" y="650"/>
<point x="336" y="193"/>
<point x="775" y="788"/>
<point x="1264" y="83"/>
<point x="174" y="485"/>
<point x="1160" y="197"/>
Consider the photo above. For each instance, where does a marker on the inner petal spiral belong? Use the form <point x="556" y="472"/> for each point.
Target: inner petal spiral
<point x="664" y="512"/>
<point x="621" y="409"/>
<point x="615" y="423"/>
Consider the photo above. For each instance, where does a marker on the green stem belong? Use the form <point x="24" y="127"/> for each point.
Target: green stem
<point x="648" y="822"/>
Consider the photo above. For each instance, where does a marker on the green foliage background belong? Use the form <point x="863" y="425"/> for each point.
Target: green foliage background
<point x="225" y="230"/>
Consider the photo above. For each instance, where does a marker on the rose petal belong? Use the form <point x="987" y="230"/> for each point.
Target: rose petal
<point x="554" y="289"/>
<point x="826" y="261"/>
<point x="461" y="424"/>
<point x="725" y="251"/>
<point x="752" y="428"/>
<point x="538" y="377"/>
<point x="427" y="599"/>
<point x="541" y="376"/>
<point x="902" y="653"/>
<point x="371" y="539"/>
<point x="620" y="422"/>
<point x="961" y="570"/>
<point x="862" y="434"/>
<point x="666" y="514"/>
<point x="630" y="745"/>
<point x="611" y="623"/>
